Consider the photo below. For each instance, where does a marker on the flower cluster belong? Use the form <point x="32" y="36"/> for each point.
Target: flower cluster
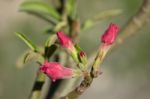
<point x="55" y="70"/>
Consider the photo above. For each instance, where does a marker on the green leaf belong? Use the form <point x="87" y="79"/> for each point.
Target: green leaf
<point x="27" y="41"/>
<point x="88" y="24"/>
<point x="48" y="30"/>
<point x="29" y="56"/>
<point x="51" y="40"/>
<point x="71" y="8"/>
<point x="42" y="10"/>
<point x="101" y="16"/>
<point x="60" y="25"/>
<point x="50" y="47"/>
<point x="49" y="51"/>
<point x="56" y="28"/>
<point x="78" y="48"/>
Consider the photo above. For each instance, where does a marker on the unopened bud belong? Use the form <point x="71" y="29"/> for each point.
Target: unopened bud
<point x="67" y="43"/>
<point x="83" y="57"/>
<point x="110" y="34"/>
<point x="107" y="39"/>
<point x="56" y="71"/>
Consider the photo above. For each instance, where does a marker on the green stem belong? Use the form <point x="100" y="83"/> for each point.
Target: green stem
<point x="37" y="88"/>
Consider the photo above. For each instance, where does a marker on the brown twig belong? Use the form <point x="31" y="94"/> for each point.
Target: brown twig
<point x="85" y="84"/>
<point x="135" y="23"/>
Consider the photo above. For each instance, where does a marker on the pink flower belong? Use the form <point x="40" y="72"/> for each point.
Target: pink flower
<point x="65" y="41"/>
<point x="110" y="34"/>
<point x="55" y="71"/>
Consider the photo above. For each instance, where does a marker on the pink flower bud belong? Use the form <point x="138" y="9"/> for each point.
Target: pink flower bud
<point x="65" y="41"/>
<point x="110" y="34"/>
<point x="55" y="71"/>
<point x="82" y="54"/>
<point x="83" y="57"/>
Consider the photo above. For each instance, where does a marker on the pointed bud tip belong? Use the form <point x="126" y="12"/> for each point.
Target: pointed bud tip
<point x="110" y="34"/>
<point x="65" y="41"/>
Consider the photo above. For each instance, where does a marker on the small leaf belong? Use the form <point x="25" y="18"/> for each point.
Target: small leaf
<point x="56" y="28"/>
<point x="50" y="47"/>
<point x="103" y="15"/>
<point x="51" y="40"/>
<point x="48" y="30"/>
<point x="78" y="48"/>
<point x="42" y="10"/>
<point x="27" y="41"/>
<point x="88" y="24"/>
<point x="60" y="25"/>
<point x="49" y="51"/>
<point x="71" y="7"/>
<point x="29" y="56"/>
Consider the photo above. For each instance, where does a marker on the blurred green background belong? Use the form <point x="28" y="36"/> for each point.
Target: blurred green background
<point x="125" y="70"/>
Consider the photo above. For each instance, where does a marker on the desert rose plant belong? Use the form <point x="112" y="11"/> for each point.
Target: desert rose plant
<point x="63" y="38"/>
